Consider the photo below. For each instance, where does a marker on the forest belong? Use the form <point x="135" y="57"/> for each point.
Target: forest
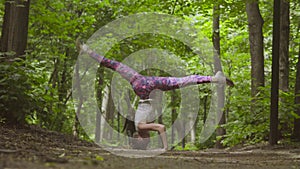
<point x="257" y="41"/>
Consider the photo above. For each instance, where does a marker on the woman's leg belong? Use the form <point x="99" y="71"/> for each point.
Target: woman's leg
<point x="155" y="127"/>
<point x="144" y="85"/>
<point x="170" y="83"/>
<point x="125" y="71"/>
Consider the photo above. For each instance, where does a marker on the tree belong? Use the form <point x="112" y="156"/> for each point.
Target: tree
<point x="284" y="65"/>
<point x="15" y="27"/>
<point x="284" y="45"/>
<point x="13" y="44"/>
<point x="296" y="132"/>
<point x="76" y="123"/>
<point x="99" y="96"/>
<point x="255" y="24"/>
<point x="220" y="91"/>
<point x="173" y="116"/>
<point x="275" y="74"/>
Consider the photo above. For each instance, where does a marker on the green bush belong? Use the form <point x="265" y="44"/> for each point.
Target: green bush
<point x="20" y="89"/>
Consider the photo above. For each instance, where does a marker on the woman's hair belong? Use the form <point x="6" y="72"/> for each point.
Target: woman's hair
<point x="140" y="140"/>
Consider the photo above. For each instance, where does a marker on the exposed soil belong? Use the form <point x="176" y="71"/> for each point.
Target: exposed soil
<point x="36" y="148"/>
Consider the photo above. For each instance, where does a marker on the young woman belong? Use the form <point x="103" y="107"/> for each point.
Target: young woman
<point x="143" y="86"/>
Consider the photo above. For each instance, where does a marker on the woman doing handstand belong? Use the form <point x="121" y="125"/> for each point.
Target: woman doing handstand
<point x="143" y="86"/>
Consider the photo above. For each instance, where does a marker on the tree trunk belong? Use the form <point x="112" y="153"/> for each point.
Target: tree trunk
<point x="173" y="116"/>
<point x="205" y="109"/>
<point x="296" y="133"/>
<point x="255" y="24"/>
<point x="216" y="38"/>
<point x="284" y="55"/>
<point x="221" y="90"/>
<point x="14" y="40"/>
<point x="52" y="82"/>
<point x="284" y="45"/>
<point x="15" y="27"/>
<point x="98" y="127"/>
<point x="193" y="131"/>
<point x="99" y="114"/>
<point x="61" y="83"/>
<point x="183" y="135"/>
<point x="62" y="94"/>
<point x="76" y="122"/>
<point x="104" y="108"/>
<point x="110" y="114"/>
<point x="118" y="125"/>
<point x="275" y="74"/>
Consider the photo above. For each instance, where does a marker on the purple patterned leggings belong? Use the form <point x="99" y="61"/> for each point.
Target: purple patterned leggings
<point x="144" y="85"/>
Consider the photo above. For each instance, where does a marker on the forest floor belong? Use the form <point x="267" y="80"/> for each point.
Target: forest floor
<point x="36" y="148"/>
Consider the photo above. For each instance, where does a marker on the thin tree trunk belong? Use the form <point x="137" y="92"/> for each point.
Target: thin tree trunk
<point x="53" y="83"/>
<point x="62" y="95"/>
<point x="75" y="127"/>
<point x="205" y="109"/>
<point x="173" y="116"/>
<point x="183" y="134"/>
<point x="284" y="54"/>
<point x="98" y="127"/>
<point x="104" y="108"/>
<point x="221" y="90"/>
<point x="99" y="114"/>
<point x="110" y="114"/>
<point x="275" y="75"/>
<point x="118" y="125"/>
<point x="255" y="24"/>
<point x="193" y="131"/>
<point x="296" y="132"/>
<point x="14" y="41"/>
<point x="284" y="45"/>
<point x="76" y="122"/>
<point x="62" y="88"/>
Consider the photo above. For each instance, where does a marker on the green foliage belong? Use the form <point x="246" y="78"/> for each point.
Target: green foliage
<point x="54" y="26"/>
<point x="20" y="90"/>
<point x="188" y="147"/>
<point x="246" y="126"/>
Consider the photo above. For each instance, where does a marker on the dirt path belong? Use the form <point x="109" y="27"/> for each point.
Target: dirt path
<point x="35" y="148"/>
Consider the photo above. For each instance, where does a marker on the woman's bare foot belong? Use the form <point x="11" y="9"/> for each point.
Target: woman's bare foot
<point x="81" y="47"/>
<point x="229" y="82"/>
<point x="220" y="78"/>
